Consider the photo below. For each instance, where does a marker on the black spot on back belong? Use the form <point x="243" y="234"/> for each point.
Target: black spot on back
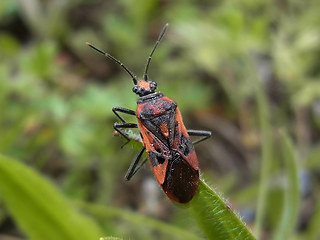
<point x="186" y="151"/>
<point x="186" y="145"/>
<point x="160" y="159"/>
<point x="156" y="157"/>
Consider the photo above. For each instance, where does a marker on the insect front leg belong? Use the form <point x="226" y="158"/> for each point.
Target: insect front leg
<point x="199" y="133"/>
<point x="115" y="110"/>
<point x="134" y="167"/>
<point x="124" y="125"/>
<point x="119" y="126"/>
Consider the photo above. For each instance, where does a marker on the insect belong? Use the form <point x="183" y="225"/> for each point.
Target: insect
<point x="166" y="140"/>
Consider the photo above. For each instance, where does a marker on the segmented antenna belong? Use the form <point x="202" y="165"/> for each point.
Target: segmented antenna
<point x="115" y="60"/>
<point x="145" y="75"/>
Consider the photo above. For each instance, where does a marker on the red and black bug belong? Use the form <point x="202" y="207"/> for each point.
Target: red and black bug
<point x="165" y="138"/>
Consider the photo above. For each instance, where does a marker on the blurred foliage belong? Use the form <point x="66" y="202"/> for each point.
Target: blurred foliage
<point x="243" y="69"/>
<point x="38" y="215"/>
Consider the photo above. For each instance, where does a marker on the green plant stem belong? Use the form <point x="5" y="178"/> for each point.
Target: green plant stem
<point x="313" y="231"/>
<point x="215" y="217"/>
<point x="290" y="208"/>
<point x="266" y="141"/>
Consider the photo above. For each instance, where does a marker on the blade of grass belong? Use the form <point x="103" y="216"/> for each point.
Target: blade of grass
<point x="266" y="141"/>
<point x="215" y="218"/>
<point x="313" y="231"/>
<point x="110" y="238"/>
<point x="291" y="196"/>
<point x="39" y="208"/>
<point x="104" y="212"/>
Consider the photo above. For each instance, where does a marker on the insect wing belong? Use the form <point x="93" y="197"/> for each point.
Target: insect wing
<point x="181" y="180"/>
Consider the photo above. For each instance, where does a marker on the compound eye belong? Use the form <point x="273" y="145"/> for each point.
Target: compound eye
<point x="153" y="86"/>
<point x="135" y="89"/>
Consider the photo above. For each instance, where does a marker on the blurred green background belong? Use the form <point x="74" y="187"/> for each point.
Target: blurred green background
<point x="246" y="70"/>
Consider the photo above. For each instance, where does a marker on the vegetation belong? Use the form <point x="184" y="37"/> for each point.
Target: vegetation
<point x="246" y="70"/>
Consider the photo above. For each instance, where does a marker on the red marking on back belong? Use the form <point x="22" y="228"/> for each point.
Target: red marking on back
<point x="158" y="105"/>
<point x="160" y="171"/>
<point x="147" y="138"/>
<point x="164" y="129"/>
<point x="193" y="160"/>
<point x="192" y="157"/>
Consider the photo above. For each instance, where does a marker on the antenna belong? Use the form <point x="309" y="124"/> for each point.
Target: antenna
<point x="115" y="60"/>
<point x="145" y="75"/>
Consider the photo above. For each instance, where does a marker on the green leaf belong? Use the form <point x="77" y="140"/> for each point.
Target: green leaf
<point x="312" y="159"/>
<point x="307" y="94"/>
<point x="40" y="61"/>
<point x="290" y="209"/>
<point x="38" y="207"/>
<point x="9" y="46"/>
<point x="216" y="218"/>
<point x="313" y="231"/>
<point x="103" y="212"/>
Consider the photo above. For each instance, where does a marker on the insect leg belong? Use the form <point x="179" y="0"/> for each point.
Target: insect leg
<point x="124" y="124"/>
<point x="119" y="126"/>
<point x="115" y="110"/>
<point x="199" y="133"/>
<point x="134" y="167"/>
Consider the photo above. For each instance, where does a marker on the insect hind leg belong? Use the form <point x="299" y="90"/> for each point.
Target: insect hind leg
<point x="134" y="167"/>
<point x="204" y="135"/>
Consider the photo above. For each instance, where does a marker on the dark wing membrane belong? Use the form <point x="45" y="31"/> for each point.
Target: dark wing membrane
<point x="181" y="180"/>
